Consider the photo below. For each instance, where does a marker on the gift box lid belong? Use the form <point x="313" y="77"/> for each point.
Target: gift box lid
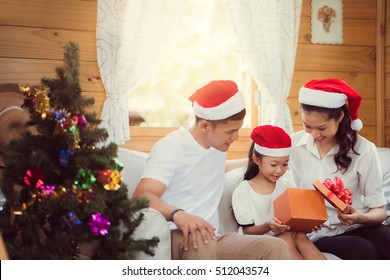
<point x="300" y="209"/>
<point x="332" y="198"/>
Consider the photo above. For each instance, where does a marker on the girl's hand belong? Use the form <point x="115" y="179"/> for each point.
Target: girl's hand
<point x="277" y="227"/>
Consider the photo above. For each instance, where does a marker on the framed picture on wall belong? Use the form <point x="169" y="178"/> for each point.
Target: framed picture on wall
<point x="327" y="21"/>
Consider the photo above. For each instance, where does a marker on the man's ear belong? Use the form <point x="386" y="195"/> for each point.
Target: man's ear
<point x="204" y="125"/>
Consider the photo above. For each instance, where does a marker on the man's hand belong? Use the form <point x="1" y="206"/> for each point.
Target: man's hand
<point x="189" y="224"/>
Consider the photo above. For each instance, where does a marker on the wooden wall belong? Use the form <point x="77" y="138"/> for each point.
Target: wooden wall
<point x="354" y="60"/>
<point x="387" y="73"/>
<point x="33" y="33"/>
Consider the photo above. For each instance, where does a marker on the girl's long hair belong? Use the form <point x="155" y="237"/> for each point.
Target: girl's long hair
<point x="346" y="136"/>
<point x="252" y="169"/>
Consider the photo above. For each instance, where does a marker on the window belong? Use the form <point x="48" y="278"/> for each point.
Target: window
<point x="204" y="49"/>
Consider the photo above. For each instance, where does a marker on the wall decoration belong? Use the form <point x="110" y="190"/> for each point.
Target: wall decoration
<point x="327" y="21"/>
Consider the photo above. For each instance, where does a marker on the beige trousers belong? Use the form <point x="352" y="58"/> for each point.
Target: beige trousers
<point x="231" y="246"/>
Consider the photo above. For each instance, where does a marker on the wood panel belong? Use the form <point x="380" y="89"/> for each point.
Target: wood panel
<point x="364" y="83"/>
<point x="335" y="58"/>
<point x="387" y="113"/>
<point x="30" y="71"/>
<point x="356" y="32"/>
<point x="62" y="14"/>
<point x="359" y="9"/>
<point x="387" y="29"/>
<point x="43" y="43"/>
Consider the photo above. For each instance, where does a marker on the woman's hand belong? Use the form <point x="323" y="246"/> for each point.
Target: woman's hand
<point x="189" y="224"/>
<point x="277" y="227"/>
<point x="374" y="216"/>
<point x="317" y="228"/>
<point x="353" y="217"/>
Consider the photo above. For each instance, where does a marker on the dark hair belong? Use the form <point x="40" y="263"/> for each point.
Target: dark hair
<point x="346" y="136"/>
<point x="236" y="117"/>
<point x="252" y="169"/>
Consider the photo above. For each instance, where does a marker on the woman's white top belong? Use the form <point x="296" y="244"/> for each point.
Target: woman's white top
<point x="363" y="178"/>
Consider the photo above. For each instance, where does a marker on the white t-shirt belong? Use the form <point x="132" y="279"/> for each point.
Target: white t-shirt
<point x="194" y="175"/>
<point x="363" y="178"/>
<point x="252" y="208"/>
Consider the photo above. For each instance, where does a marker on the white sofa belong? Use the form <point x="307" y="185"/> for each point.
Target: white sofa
<point x="154" y="223"/>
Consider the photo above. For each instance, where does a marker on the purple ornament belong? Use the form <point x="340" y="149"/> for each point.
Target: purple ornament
<point x="82" y="121"/>
<point x="99" y="224"/>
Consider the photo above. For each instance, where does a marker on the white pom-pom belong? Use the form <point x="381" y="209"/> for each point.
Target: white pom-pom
<point x="356" y="124"/>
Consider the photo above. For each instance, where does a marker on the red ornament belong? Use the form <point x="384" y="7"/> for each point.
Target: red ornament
<point x="34" y="177"/>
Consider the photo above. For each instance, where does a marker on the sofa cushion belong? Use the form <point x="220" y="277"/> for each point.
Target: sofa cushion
<point x="386" y="191"/>
<point x="133" y="166"/>
<point x="227" y="222"/>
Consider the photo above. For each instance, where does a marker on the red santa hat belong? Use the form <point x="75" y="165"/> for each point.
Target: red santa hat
<point x="332" y="93"/>
<point x="271" y="141"/>
<point x="218" y="100"/>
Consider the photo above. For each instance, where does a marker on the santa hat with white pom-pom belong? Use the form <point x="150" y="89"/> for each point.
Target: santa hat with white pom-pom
<point x="218" y="100"/>
<point x="332" y="93"/>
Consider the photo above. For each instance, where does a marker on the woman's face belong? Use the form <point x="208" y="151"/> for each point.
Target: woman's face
<point x="320" y="127"/>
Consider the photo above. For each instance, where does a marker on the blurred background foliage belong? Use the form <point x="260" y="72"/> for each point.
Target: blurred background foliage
<point x="204" y="49"/>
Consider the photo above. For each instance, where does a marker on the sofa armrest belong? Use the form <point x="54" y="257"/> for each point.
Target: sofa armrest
<point x="154" y="224"/>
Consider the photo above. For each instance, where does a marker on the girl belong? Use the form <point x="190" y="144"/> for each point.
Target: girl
<point x="329" y="146"/>
<point x="263" y="182"/>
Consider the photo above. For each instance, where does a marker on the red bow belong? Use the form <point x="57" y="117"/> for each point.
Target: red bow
<point x="339" y="190"/>
<point x="34" y="177"/>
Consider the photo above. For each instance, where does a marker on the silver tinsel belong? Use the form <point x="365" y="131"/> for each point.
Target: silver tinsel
<point x="2" y="201"/>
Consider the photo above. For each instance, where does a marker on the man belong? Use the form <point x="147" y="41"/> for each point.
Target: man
<point x="184" y="180"/>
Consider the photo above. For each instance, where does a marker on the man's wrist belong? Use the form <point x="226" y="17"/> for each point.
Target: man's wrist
<point x="173" y="212"/>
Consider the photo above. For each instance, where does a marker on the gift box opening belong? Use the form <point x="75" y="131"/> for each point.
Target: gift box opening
<point x="300" y="209"/>
<point x="331" y="197"/>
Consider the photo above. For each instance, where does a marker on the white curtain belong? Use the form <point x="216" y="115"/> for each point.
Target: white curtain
<point x="131" y="38"/>
<point x="267" y="32"/>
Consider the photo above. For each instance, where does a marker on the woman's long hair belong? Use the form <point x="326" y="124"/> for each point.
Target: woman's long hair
<point x="346" y="136"/>
<point x="252" y="169"/>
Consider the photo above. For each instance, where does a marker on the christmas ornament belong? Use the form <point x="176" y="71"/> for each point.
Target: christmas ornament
<point x="74" y="250"/>
<point x="82" y="121"/>
<point x="34" y="177"/>
<point x="48" y="190"/>
<point x="69" y="220"/>
<point x="3" y="200"/>
<point x="85" y="178"/>
<point x="99" y="224"/>
<point x="64" y="157"/>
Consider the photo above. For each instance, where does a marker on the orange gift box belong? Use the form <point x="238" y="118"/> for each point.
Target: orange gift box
<point x="331" y="197"/>
<point x="300" y="209"/>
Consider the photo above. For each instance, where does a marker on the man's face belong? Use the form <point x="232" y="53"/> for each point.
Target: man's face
<point x="223" y="135"/>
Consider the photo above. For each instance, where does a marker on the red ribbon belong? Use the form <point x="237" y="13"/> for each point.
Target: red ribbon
<point x="337" y="188"/>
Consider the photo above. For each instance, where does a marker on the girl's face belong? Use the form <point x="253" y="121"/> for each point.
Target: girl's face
<point x="272" y="168"/>
<point x="320" y="127"/>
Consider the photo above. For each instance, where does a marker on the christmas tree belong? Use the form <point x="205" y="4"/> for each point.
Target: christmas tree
<point x="61" y="192"/>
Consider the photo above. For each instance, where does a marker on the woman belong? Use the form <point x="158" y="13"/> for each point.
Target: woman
<point x="329" y="146"/>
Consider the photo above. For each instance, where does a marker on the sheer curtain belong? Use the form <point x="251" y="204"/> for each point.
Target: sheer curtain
<point x="267" y="33"/>
<point x="131" y="38"/>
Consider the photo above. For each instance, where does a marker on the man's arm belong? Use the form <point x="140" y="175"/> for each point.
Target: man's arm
<point x="152" y="190"/>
